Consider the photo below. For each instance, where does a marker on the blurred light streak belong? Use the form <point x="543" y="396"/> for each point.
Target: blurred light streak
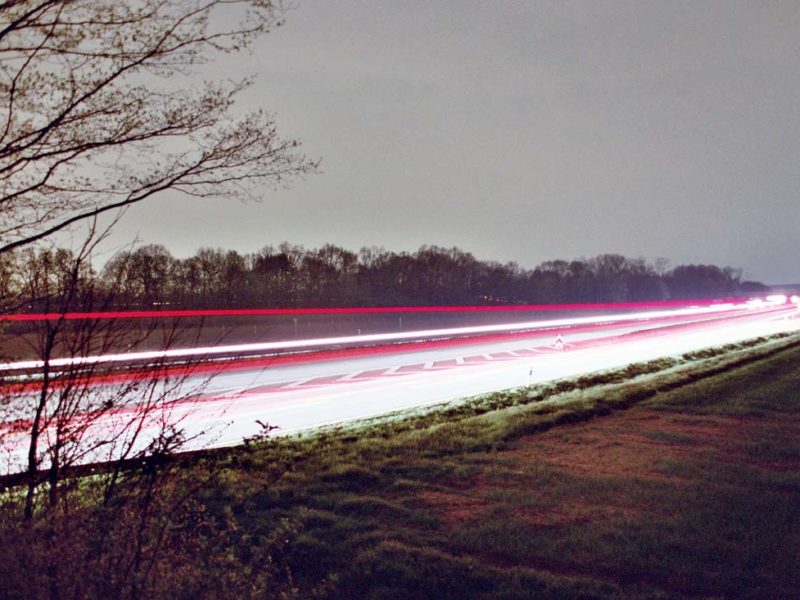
<point x="209" y="351"/>
<point x="299" y="312"/>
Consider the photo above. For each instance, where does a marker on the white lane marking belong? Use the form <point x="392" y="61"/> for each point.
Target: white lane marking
<point x="233" y="391"/>
<point x="460" y="360"/>
<point x="350" y="376"/>
<point x="428" y="365"/>
<point x="393" y="370"/>
<point x="298" y="383"/>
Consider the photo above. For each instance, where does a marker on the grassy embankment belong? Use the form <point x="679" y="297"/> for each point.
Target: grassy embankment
<point x="695" y="492"/>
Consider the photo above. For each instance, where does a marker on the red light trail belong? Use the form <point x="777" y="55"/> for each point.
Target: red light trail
<point x="366" y="310"/>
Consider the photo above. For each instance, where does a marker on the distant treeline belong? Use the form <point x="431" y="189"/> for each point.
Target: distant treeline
<point x="294" y="276"/>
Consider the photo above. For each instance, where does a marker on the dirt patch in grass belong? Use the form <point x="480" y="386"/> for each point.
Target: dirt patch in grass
<point x="630" y="445"/>
<point x="635" y="444"/>
<point x="455" y="508"/>
<point x="641" y="497"/>
<point x="638" y="445"/>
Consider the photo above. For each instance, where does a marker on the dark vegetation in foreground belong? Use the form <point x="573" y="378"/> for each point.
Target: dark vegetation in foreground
<point x="294" y="276"/>
<point x="691" y="493"/>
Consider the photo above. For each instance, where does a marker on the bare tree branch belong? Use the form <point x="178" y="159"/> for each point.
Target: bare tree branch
<point x="99" y="112"/>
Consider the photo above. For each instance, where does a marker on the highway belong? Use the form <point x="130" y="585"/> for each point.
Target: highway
<point x="305" y="396"/>
<point x="304" y="392"/>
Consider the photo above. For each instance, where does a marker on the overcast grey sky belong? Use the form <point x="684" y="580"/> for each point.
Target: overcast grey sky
<point x="525" y="131"/>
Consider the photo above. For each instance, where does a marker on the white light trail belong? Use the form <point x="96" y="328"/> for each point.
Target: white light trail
<point x="361" y="339"/>
<point x="777" y="299"/>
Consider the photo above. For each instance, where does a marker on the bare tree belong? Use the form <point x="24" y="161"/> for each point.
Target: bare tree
<point x="98" y="110"/>
<point x="56" y="419"/>
<point x="51" y="405"/>
<point x="101" y="107"/>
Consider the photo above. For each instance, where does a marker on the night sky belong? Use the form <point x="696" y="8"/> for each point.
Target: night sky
<point x="524" y="131"/>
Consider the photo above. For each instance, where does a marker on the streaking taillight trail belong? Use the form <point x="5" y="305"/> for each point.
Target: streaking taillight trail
<point x="363" y="310"/>
<point x="366" y="339"/>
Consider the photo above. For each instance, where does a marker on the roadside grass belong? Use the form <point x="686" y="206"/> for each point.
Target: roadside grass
<point x="450" y="503"/>
<point x="670" y="438"/>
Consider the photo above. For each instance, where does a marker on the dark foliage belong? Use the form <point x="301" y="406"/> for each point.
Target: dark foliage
<point x="293" y="276"/>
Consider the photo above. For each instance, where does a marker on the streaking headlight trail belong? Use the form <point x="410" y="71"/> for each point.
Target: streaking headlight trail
<point x="210" y="351"/>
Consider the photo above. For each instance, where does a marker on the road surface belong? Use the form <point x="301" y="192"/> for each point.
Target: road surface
<point x="324" y="389"/>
